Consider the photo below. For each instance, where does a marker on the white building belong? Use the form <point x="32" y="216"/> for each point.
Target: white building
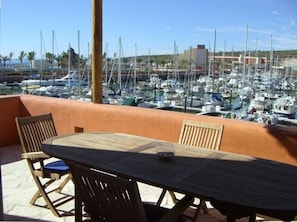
<point x="40" y="65"/>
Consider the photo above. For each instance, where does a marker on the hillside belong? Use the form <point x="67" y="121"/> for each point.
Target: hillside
<point x="162" y="59"/>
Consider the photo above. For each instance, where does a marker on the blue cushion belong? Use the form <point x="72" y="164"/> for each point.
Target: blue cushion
<point x="58" y="165"/>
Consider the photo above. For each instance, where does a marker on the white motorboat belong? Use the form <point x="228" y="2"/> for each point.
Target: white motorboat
<point x="260" y="103"/>
<point x="33" y="83"/>
<point x="73" y="78"/>
<point x="285" y="106"/>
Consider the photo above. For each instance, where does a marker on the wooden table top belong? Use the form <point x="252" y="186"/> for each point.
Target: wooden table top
<point x="215" y="175"/>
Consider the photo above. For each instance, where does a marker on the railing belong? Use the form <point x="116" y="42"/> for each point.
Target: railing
<point x="259" y="140"/>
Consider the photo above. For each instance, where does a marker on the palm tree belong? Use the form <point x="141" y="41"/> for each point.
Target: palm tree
<point x="22" y="56"/>
<point x="31" y="57"/>
<point x="5" y="59"/>
<point x="10" y="56"/>
<point x="59" y="59"/>
<point x="83" y="61"/>
<point x="49" y="57"/>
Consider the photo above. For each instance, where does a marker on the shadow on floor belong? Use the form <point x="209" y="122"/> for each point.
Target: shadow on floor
<point x="8" y="217"/>
<point x="10" y="154"/>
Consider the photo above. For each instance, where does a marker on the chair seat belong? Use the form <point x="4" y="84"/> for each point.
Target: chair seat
<point x="58" y="165"/>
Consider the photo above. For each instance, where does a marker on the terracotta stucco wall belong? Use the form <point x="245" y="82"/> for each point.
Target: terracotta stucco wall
<point x="10" y="107"/>
<point x="278" y="143"/>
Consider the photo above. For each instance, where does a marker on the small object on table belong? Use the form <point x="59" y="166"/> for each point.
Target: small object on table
<point x="165" y="151"/>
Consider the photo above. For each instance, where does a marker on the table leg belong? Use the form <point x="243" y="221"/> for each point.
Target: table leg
<point x="78" y="206"/>
<point x="161" y="197"/>
<point x="252" y="218"/>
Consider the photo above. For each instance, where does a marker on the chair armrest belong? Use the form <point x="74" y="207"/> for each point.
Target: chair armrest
<point x="35" y="155"/>
<point x="178" y="209"/>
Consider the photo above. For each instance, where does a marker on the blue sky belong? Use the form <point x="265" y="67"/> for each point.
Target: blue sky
<point x="148" y="26"/>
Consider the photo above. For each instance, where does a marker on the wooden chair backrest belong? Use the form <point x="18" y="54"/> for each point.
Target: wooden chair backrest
<point x="107" y="197"/>
<point x="201" y="134"/>
<point x="33" y="130"/>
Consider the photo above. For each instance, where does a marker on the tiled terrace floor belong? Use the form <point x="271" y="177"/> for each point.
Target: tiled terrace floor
<point x="18" y="188"/>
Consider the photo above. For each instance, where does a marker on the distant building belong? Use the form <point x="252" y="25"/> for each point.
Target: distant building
<point x="198" y="59"/>
<point x="201" y="57"/>
<point x="194" y="56"/>
<point x="187" y="57"/>
<point x="40" y="64"/>
<point x="20" y="67"/>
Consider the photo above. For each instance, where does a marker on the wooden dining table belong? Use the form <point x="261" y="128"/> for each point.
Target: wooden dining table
<point x="233" y="182"/>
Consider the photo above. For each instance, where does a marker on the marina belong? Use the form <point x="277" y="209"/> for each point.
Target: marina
<point x="244" y="87"/>
<point x="278" y="107"/>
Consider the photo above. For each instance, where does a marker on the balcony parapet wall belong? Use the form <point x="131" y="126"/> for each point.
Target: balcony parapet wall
<point x="259" y="140"/>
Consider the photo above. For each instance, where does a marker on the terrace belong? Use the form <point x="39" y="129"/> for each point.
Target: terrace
<point x="265" y="141"/>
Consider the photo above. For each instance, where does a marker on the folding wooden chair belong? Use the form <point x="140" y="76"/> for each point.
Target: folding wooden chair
<point x="33" y="130"/>
<point x="202" y="135"/>
<point x="107" y="197"/>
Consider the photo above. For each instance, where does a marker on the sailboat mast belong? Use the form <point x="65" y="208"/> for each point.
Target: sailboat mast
<point x="189" y="70"/>
<point x="223" y="63"/>
<point x="69" y="65"/>
<point x="213" y="64"/>
<point x="120" y="64"/>
<point x="78" y="51"/>
<point x="41" y="56"/>
<point x="135" y="65"/>
<point x="149" y="63"/>
<point x="209" y="61"/>
<point x="78" y="48"/>
<point x="175" y="61"/>
<point x="245" y="51"/>
<point x="257" y="63"/>
<point x="271" y="57"/>
<point x="53" y="52"/>
<point x="270" y="67"/>
<point x="88" y="66"/>
<point x="106" y="63"/>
